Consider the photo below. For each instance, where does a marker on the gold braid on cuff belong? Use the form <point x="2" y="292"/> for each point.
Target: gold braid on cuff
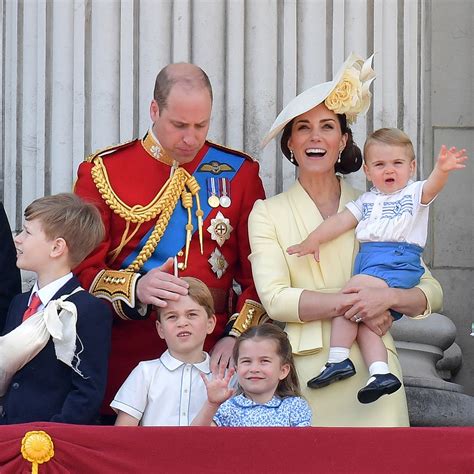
<point x="117" y="287"/>
<point x="251" y="314"/>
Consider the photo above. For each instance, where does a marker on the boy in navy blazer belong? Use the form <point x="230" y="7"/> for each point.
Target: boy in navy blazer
<point x="56" y="339"/>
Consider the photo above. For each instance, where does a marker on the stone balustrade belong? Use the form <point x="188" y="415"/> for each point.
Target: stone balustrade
<point x="430" y="358"/>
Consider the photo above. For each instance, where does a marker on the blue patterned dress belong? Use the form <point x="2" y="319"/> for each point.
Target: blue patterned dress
<point x="242" y="411"/>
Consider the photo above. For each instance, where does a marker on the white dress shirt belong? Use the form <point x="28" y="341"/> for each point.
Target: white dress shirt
<point x="47" y="292"/>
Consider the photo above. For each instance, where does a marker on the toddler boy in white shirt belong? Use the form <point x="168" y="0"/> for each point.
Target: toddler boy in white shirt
<point x="169" y="391"/>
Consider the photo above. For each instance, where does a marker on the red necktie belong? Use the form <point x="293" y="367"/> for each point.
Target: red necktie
<point x="33" y="307"/>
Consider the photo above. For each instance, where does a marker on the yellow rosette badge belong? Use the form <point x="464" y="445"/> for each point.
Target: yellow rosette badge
<point x="37" y="447"/>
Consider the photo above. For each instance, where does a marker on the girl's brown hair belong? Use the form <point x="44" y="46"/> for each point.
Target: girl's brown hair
<point x="289" y="386"/>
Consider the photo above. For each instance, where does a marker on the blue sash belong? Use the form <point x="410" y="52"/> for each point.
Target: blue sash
<point x="174" y="237"/>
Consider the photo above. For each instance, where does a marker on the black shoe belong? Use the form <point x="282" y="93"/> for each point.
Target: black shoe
<point x="334" y="371"/>
<point x="384" y="384"/>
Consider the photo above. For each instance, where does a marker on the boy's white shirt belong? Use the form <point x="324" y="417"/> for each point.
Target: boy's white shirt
<point x="57" y="319"/>
<point x="164" y="391"/>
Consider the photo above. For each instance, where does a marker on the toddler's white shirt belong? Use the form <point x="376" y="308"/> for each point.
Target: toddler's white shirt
<point x="397" y="217"/>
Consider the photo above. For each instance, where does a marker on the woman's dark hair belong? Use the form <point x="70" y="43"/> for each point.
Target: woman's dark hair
<point x="289" y="386"/>
<point x="351" y="156"/>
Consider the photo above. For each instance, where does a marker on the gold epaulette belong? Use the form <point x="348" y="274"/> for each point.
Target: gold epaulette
<point x="109" y="149"/>
<point x="230" y="150"/>
<point x="251" y="314"/>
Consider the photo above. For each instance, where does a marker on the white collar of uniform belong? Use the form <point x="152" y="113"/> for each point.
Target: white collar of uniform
<point x="375" y="190"/>
<point x="47" y="292"/>
<point x="171" y="363"/>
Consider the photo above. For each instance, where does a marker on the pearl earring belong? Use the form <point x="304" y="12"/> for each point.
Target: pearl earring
<point x="292" y="157"/>
<point x="339" y="159"/>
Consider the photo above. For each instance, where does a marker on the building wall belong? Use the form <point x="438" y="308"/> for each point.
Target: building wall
<point x="78" y="75"/>
<point x="449" y="110"/>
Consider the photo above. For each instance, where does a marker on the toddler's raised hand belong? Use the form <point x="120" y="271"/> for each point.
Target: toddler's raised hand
<point x="309" y="245"/>
<point x="452" y="159"/>
<point x="217" y="387"/>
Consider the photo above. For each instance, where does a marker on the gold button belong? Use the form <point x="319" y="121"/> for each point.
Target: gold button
<point x="180" y="253"/>
<point x="180" y="266"/>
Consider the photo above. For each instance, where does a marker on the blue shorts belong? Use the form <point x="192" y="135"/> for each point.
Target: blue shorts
<point x="396" y="263"/>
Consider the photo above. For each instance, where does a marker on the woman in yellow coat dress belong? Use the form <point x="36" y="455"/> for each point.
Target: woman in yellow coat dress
<point x="304" y="293"/>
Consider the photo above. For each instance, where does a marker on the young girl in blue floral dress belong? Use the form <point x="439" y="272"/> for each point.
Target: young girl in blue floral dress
<point x="268" y="393"/>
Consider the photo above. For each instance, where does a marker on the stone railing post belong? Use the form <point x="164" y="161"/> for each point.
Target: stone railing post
<point x="428" y="353"/>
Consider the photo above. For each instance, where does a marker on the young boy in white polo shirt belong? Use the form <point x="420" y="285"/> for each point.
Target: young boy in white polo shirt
<point x="169" y="391"/>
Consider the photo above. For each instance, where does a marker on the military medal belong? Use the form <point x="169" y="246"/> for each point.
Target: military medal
<point x="212" y="200"/>
<point x="218" y="263"/>
<point x="225" y="200"/>
<point x="220" y="229"/>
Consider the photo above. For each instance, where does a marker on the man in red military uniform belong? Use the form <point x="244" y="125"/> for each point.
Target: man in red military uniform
<point x="171" y="201"/>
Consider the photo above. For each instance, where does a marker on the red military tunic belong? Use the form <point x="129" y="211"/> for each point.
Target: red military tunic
<point x="135" y="173"/>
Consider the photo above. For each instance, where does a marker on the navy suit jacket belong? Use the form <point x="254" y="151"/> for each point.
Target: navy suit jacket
<point x="46" y="389"/>
<point x="10" y="284"/>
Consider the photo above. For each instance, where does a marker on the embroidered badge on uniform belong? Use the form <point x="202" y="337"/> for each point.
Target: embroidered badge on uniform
<point x="218" y="263"/>
<point x="214" y="167"/>
<point x="220" y="229"/>
<point x="156" y="151"/>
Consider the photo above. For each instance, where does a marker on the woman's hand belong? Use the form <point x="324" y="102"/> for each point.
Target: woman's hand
<point x="380" y="325"/>
<point x="371" y="307"/>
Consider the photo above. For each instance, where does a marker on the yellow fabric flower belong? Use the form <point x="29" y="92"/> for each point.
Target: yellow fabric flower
<point x="351" y="95"/>
<point x="348" y="93"/>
